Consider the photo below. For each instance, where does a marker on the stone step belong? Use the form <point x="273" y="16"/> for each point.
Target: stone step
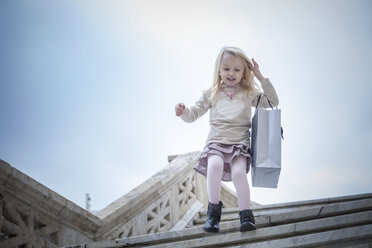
<point x="337" y="229"/>
<point x="365" y="243"/>
<point x="359" y="236"/>
<point x="278" y="223"/>
<point x="233" y="215"/>
<point x="297" y="205"/>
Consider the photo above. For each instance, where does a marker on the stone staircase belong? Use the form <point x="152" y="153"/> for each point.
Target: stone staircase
<point x="168" y="210"/>
<point x="332" y="222"/>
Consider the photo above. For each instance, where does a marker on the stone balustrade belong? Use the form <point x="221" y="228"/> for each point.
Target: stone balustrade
<point x="160" y="202"/>
<point x="34" y="216"/>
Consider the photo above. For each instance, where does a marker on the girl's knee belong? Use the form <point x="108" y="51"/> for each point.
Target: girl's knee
<point x="239" y="175"/>
<point x="215" y="167"/>
<point x="239" y="171"/>
<point x="215" y="161"/>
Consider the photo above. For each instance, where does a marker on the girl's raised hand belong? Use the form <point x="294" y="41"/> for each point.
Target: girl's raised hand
<point x="179" y="109"/>
<point x="256" y="70"/>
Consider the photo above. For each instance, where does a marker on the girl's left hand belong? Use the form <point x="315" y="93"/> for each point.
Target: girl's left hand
<point x="256" y="70"/>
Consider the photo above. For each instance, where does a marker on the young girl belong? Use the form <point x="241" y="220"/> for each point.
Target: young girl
<point x="227" y="154"/>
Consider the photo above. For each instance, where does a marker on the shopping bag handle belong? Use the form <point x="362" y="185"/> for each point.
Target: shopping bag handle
<point x="259" y="98"/>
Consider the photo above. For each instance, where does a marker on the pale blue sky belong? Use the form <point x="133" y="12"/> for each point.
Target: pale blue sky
<point x="88" y="89"/>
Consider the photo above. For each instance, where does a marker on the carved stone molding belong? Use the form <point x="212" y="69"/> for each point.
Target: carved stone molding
<point x="186" y="193"/>
<point x="24" y="226"/>
<point x="158" y="215"/>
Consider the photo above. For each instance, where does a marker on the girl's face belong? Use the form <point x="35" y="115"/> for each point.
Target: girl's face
<point x="231" y="69"/>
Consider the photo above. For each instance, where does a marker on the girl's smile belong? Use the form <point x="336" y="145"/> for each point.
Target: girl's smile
<point x="231" y="69"/>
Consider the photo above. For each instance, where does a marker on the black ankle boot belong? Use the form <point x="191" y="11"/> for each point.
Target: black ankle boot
<point x="247" y="221"/>
<point x="214" y="217"/>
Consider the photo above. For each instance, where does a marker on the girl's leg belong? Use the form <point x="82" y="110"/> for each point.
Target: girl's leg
<point x="214" y="176"/>
<point x="239" y="178"/>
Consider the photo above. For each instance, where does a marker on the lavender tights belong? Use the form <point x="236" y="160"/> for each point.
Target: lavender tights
<point x="238" y="175"/>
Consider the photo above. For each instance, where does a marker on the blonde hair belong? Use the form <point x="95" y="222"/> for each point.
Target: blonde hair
<point x="249" y="86"/>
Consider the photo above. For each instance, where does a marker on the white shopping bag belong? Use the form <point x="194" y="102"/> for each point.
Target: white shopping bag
<point x="266" y="147"/>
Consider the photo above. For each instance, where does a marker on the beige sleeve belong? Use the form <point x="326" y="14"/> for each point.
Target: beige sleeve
<point x="268" y="94"/>
<point x="200" y="108"/>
